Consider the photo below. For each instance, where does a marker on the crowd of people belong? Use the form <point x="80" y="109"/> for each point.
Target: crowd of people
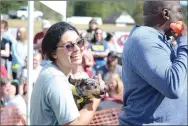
<point x="98" y="57"/>
<point x="149" y="86"/>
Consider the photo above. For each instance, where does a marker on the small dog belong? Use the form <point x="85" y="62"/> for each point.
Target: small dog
<point x="85" y="89"/>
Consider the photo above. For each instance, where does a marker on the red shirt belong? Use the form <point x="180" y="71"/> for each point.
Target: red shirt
<point x="3" y="71"/>
<point x="37" y="37"/>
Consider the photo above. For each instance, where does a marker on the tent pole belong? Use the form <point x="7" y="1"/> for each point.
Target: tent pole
<point x="30" y="57"/>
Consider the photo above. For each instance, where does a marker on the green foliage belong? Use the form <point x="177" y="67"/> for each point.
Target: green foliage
<point x="98" y="8"/>
<point x="5" y="6"/>
<point x="87" y="8"/>
<point x="102" y="8"/>
<point x="138" y="13"/>
<point x="70" y="8"/>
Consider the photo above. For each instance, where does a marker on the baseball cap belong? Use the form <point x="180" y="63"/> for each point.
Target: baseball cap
<point x="113" y="53"/>
<point x="46" y="24"/>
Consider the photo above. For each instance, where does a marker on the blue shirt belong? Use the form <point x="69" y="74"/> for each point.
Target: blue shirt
<point x="19" y="53"/>
<point x="52" y="102"/>
<point x="155" y="80"/>
<point x="104" y="71"/>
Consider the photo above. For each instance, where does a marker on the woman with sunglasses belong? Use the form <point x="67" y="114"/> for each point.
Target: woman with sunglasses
<point x="52" y="101"/>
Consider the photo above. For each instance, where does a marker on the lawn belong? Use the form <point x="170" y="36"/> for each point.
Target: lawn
<point x="15" y="23"/>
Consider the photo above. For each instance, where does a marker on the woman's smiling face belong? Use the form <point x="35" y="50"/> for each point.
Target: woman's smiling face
<point x="69" y="49"/>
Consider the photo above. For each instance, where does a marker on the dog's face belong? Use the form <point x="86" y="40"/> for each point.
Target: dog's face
<point x="89" y="87"/>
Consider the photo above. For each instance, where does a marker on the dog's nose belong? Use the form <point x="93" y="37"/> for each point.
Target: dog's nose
<point x="102" y="92"/>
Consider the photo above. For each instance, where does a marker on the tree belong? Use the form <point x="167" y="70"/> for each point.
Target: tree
<point x="5" y="6"/>
<point x="138" y="13"/>
<point x="88" y="8"/>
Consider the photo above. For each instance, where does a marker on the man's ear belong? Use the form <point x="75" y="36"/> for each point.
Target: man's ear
<point x="166" y="14"/>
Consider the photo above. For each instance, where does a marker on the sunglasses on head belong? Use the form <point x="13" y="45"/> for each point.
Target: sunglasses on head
<point x="69" y="46"/>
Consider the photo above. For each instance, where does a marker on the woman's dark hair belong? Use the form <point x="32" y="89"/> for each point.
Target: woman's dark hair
<point x="94" y="40"/>
<point x="109" y="36"/>
<point x="53" y="36"/>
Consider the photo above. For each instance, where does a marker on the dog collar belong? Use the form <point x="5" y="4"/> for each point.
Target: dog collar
<point x="77" y="92"/>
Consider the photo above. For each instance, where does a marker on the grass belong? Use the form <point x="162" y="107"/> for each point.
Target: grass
<point x="15" y="23"/>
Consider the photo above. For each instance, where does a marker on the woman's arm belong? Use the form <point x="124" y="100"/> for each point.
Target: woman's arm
<point x="100" y="54"/>
<point x="6" y="51"/>
<point x="86" y="114"/>
<point x="23" y="120"/>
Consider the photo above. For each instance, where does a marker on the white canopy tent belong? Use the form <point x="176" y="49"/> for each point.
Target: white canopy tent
<point x="59" y="7"/>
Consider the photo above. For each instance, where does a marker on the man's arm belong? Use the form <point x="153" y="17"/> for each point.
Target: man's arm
<point x="156" y="68"/>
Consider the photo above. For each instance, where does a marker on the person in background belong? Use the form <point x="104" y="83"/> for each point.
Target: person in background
<point x="5" y="45"/>
<point x="111" y="66"/>
<point x="52" y="102"/>
<point x="155" y="79"/>
<point x="16" y="107"/>
<point x="99" y="49"/>
<point x="111" y="43"/>
<point x="19" y="51"/>
<point x="4" y="85"/>
<point x="91" y="31"/>
<point x="5" y="33"/>
<point x="78" y="72"/>
<point x="22" y="75"/>
<point x="39" y="36"/>
<point x="37" y="57"/>
<point x="87" y="60"/>
<point x="115" y="86"/>
<point x="3" y="71"/>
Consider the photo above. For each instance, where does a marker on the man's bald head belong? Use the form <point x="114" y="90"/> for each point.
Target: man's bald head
<point x="160" y="14"/>
<point x="155" y="7"/>
<point x="157" y="12"/>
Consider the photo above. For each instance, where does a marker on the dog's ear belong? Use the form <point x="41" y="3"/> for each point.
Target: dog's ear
<point x="75" y="82"/>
